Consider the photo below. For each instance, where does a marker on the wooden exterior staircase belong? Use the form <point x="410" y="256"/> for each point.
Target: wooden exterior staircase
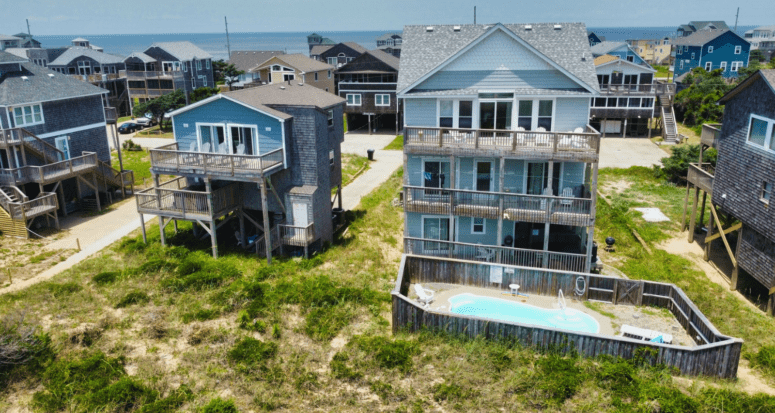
<point x="669" y="125"/>
<point x="16" y="210"/>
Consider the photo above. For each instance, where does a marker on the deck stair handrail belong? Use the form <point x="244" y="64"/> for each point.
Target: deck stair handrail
<point x="172" y="199"/>
<point x="533" y="142"/>
<point x="114" y="176"/>
<point x="169" y="158"/>
<point x="275" y="239"/>
<point x="501" y="255"/>
<point x="49" y="172"/>
<point x="20" y="136"/>
<point x="670" y="132"/>
<point x="24" y="209"/>
<point x="297" y="235"/>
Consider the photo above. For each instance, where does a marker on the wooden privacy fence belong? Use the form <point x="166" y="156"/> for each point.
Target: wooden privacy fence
<point x="716" y="355"/>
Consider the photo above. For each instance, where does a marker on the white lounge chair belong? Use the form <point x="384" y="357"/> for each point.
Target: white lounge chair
<point x="646" y="335"/>
<point x="568" y="193"/>
<point x="192" y="147"/>
<point x="578" y="130"/>
<point x="424" y="296"/>
<point x="241" y="149"/>
<point x="206" y="147"/>
<point x="486" y="254"/>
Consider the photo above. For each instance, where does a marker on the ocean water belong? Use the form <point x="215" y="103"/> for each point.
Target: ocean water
<point x="292" y="42"/>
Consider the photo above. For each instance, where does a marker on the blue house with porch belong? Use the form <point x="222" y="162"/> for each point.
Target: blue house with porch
<point x="622" y="50"/>
<point x="711" y="50"/>
<point x="264" y="159"/>
<point x="500" y="163"/>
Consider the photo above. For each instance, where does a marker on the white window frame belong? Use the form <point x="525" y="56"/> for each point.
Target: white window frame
<point x="682" y="64"/>
<point x="207" y="63"/>
<point x="329" y="74"/>
<point x="534" y="116"/>
<point x="451" y="234"/>
<point x="723" y="66"/>
<point x="766" y="193"/>
<point x="287" y="78"/>
<point x="473" y="226"/>
<point x="708" y="66"/>
<point x="769" y="134"/>
<point x="229" y="137"/>
<point x="738" y="49"/>
<point x="381" y="97"/>
<point x="735" y="66"/>
<point x="692" y="56"/>
<point x="354" y="95"/>
<point x="710" y="49"/>
<point x="477" y="161"/>
<point x="331" y="61"/>
<point x="24" y="109"/>
<point x="198" y="65"/>
<point x="226" y="134"/>
<point x="185" y="67"/>
<point x="331" y="117"/>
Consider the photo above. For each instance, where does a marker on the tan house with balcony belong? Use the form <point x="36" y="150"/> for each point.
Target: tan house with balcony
<point x="297" y="68"/>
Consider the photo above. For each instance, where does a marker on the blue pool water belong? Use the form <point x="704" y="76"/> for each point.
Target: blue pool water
<point x="495" y="308"/>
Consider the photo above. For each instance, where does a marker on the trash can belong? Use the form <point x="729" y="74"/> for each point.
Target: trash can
<point x="370" y="152"/>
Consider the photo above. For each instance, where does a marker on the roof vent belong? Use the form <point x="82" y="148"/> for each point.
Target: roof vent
<point x="456" y="28"/>
<point x="282" y="87"/>
<point x="25" y="78"/>
<point x="557" y="27"/>
<point x="528" y="27"/>
<point x="429" y="29"/>
<point x="51" y="75"/>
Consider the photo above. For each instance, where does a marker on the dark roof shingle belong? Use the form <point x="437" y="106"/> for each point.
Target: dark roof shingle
<point x="41" y="87"/>
<point x="284" y="94"/>
<point x="248" y="59"/>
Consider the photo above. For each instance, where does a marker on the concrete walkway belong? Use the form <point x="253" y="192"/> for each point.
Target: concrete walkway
<point x="96" y="233"/>
<point x="624" y="153"/>
<point x="384" y="164"/>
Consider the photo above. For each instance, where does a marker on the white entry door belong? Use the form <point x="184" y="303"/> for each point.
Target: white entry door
<point x="300" y="214"/>
<point x="63" y="145"/>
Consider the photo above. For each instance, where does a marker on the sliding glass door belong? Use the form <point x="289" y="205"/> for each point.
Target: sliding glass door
<point x="495" y="115"/>
<point x="434" y="228"/>
<point x="212" y="138"/>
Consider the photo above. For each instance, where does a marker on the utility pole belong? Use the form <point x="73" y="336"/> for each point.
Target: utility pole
<point x="474" y="14"/>
<point x="28" y="27"/>
<point x="736" y="16"/>
<point x="228" y="45"/>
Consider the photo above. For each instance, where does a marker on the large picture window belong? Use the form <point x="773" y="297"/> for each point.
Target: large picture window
<point x="28" y="115"/>
<point x="382" y="100"/>
<point x="761" y="132"/>
<point x="353" y="99"/>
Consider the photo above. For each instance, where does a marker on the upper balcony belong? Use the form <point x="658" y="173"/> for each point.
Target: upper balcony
<point x="561" y="210"/>
<point x="142" y="75"/>
<point x="656" y="88"/>
<point x="701" y="176"/>
<point x="168" y="159"/>
<point x="97" y="77"/>
<point x="173" y="199"/>
<point x="710" y="134"/>
<point x="49" y="173"/>
<point x="583" y="145"/>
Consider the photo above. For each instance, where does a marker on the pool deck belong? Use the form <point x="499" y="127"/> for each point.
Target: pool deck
<point x="642" y="317"/>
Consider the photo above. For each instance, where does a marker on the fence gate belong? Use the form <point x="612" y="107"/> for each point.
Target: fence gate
<point x="629" y="292"/>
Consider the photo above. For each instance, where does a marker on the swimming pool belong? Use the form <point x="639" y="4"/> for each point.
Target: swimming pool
<point x="496" y="308"/>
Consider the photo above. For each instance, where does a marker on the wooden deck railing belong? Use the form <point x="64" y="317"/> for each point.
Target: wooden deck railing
<point x="491" y="253"/>
<point x="97" y="77"/>
<point x="44" y="203"/>
<point x="715" y="354"/>
<point x="111" y="115"/>
<point x="140" y="75"/>
<point x="710" y="134"/>
<point x="298" y="236"/>
<point x="701" y="176"/>
<point x="21" y="136"/>
<point x="529" y="144"/>
<point x="637" y="89"/>
<point x="493" y="205"/>
<point x="170" y="201"/>
<point x="50" y="172"/>
<point x="168" y="159"/>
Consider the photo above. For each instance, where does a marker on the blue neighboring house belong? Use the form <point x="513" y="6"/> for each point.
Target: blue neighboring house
<point x="686" y="30"/>
<point x="54" y="150"/>
<point x="711" y="50"/>
<point x="594" y="39"/>
<point x="266" y="159"/>
<point x="500" y="162"/>
<point x="622" y="50"/>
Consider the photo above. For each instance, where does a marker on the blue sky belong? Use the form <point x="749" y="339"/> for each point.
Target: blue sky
<point x="50" y="17"/>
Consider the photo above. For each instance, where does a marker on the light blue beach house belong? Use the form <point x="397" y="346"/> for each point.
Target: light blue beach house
<point x="500" y="163"/>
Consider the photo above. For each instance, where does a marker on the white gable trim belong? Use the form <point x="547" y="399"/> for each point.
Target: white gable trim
<point x="478" y="40"/>
<point x="648" y="69"/>
<point x="220" y="96"/>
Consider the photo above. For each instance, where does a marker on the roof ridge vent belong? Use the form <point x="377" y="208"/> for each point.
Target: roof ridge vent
<point x="429" y="29"/>
<point x="528" y="27"/>
<point x="456" y="28"/>
<point x="557" y="26"/>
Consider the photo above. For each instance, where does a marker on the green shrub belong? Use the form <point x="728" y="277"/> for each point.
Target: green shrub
<point x="735" y="402"/>
<point x="307" y="380"/>
<point x="64" y="289"/>
<point x="249" y="323"/>
<point x="155" y="266"/>
<point x="91" y="383"/>
<point x="23" y="350"/>
<point x="451" y="392"/>
<point x="131" y="298"/>
<point x="620" y="377"/>
<point x="559" y="377"/>
<point x="219" y="405"/>
<point x="763" y="359"/>
<point x="340" y="369"/>
<point x="202" y="314"/>
<point x="389" y="354"/>
<point x="675" y="167"/>
<point x="198" y="272"/>
<point x="324" y="323"/>
<point x="276" y="331"/>
<point x="170" y="403"/>
<point x="106" y="277"/>
<point x="250" y="354"/>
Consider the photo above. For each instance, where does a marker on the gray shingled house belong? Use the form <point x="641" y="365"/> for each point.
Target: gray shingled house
<point x="741" y="186"/>
<point x="368" y="83"/>
<point x="165" y="67"/>
<point x="53" y="145"/>
<point x="265" y="159"/>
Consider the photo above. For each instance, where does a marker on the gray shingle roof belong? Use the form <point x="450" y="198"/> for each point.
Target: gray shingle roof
<point x="387" y="36"/>
<point x="318" y="49"/>
<point x="386" y="58"/>
<point x="6" y="57"/>
<point x="605" y="47"/>
<point x="699" y="38"/>
<point x="40" y="87"/>
<point x="79" y="39"/>
<point x="521" y="92"/>
<point x="423" y="51"/>
<point x="286" y="95"/>
<point x="770" y="28"/>
<point x="183" y="51"/>
<point x="75" y="52"/>
<point x="699" y="25"/>
<point x="767" y="74"/>
<point x="7" y="37"/>
<point x="355" y="46"/>
<point x="303" y="63"/>
<point x="142" y="56"/>
<point x="248" y="59"/>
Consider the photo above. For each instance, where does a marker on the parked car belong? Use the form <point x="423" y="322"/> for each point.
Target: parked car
<point x="143" y="122"/>
<point x="129" y="127"/>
